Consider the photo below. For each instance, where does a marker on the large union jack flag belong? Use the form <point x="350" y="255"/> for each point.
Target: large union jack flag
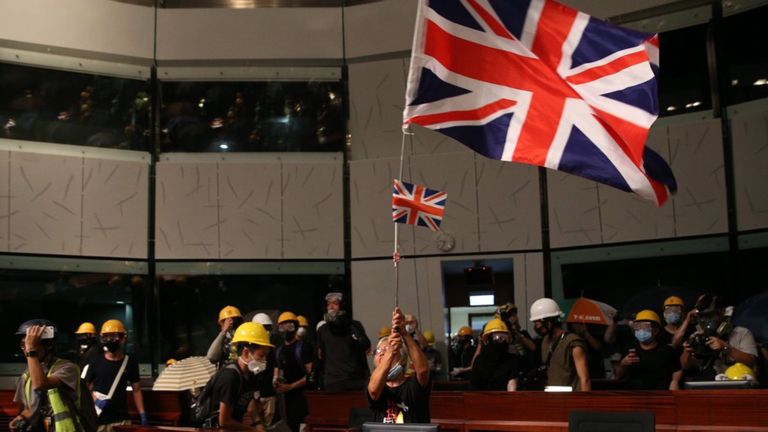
<point x="537" y="82"/>
<point x="416" y="205"/>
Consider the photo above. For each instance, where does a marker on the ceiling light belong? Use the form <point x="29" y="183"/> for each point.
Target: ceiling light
<point x="761" y="82"/>
<point x="671" y="108"/>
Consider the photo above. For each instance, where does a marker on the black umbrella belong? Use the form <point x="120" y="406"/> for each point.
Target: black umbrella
<point x="653" y="299"/>
<point x="752" y="315"/>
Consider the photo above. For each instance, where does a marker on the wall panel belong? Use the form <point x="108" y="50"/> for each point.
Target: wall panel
<point x="697" y="161"/>
<point x="313" y="217"/>
<point x="371" y="208"/>
<point x="509" y="205"/>
<point x="627" y="217"/>
<point x="5" y="198"/>
<point x="377" y="96"/>
<point x="750" y="158"/>
<point x="187" y="210"/>
<point x="251" y="209"/>
<point x="574" y="217"/>
<point x="453" y="173"/>
<point x="46" y="203"/>
<point x="115" y="208"/>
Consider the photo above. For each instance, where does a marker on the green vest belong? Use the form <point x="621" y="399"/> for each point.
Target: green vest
<point x="63" y="418"/>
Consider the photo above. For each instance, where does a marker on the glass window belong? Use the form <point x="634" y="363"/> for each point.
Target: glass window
<point x="72" y="108"/>
<point x="746" y="54"/>
<point x="68" y="299"/>
<point x="684" y="77"/>
<point x="252" y="116"/>
<point x="195" y="302"/>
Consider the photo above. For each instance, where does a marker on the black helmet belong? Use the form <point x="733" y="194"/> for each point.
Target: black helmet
<point x="22" y="331"/>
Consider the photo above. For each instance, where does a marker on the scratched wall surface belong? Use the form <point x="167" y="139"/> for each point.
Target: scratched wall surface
<point x="286" y="207"/>
<point x="63" y="204"/>
<point x="750" y="158"/>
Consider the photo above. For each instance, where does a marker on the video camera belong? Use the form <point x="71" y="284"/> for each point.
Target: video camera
<point x="713" y="320"/>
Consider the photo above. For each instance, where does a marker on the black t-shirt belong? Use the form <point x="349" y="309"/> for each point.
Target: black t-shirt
<point x="492" y="371"/>
<point x="409" y="399"/>
<point x="343" y="345"/>
<point x="288" y="357"/>
<point x="233" y="389"/>
<point x="101" y="374"/>
<point x="655" y="369"/>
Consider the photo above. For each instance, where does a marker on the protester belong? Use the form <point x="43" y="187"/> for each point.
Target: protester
<point x="109" y="374"/>
<point x="676" y="329"/>
<point x="234" y="393"/>
<point x="49" y="388"/>
<point x="412" y="328"/>
<point x="715" y="344"/>
<point x="341" y="347"/>
<point x="520" y="341"/>
<point x="563" y="353"/>
<point x="294" y="364"/>
<point x="87" y="344"/>
<point x="462" y="352"/>
<point x="496" y="368"/>
<point x="392" y="396"/>
<point x="649" y="364"/>
<point x="264" y="380"/>
<point x="220" y="352"/>
<point x="434" y="358"/>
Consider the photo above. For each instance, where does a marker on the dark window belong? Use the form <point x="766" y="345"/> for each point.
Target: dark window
<point x="746" y="55"/>
<point x="252" y="116"/>
<point x="72" y="108"/>
<point x="68" y="299"/>
<point x="191" y="305"/>
<point x="684" y="77"/>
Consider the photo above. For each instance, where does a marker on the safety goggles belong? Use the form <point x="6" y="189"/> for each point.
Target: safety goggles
<point x="499" y="337"/>
<point x="286" y="327"/>
<point x="642" y="325"/>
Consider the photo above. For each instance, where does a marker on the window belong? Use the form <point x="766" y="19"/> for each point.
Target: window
<point x="684" y="77"/>
<point x="746" y="55"/>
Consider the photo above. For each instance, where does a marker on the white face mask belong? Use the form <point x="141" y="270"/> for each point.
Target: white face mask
<point x="257" y="366"/>
<point x="395" y="371"/>
<point x="410" y="328"/>
<point x="302" y="331"/>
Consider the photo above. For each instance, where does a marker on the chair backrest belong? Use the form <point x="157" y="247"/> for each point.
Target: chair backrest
<point x="592" y="421"/>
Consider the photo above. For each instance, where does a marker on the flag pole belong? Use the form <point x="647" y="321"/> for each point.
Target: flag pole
<point x="396" y="252"/>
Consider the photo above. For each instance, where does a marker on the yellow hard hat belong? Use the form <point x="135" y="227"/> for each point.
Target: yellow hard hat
<point x="739" y="372"/>
<point x="286" y="316"/>
<point x="303" y="322"/>
<point x="170" y="362"/>
<point x="429" y="336"/>
<point x="674" y="301"/>
<point x="384" y="331"/>
<point x="252" y="333"/>
<point x="495" y="325"/>
<point x="465" y="331"/>
<point x="229" y="312"/>
<point x="648" y="315"/>
<point x="112" y="326"/>
<point x="86" y="328"/>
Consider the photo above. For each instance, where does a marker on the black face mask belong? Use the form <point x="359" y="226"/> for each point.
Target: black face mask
<point x="289" y="336"/>
<point x="112" y="345"/>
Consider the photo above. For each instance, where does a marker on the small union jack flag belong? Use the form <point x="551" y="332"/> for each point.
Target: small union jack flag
<point x="416" y="205"/>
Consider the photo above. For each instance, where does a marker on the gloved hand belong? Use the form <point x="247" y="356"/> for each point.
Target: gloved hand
<point x="144" y="419"/>
<point x="101" y="403"/>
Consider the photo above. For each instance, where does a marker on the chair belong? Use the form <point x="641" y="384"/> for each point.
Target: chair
<point x="592" y="421"/>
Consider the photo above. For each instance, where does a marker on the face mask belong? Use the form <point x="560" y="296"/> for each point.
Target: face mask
<point x="672" y="317"/>
<point x="112" y="345"/>
<point x="332" y="315"/>
<point x="289" y="336"/>
<point x="302" y="331"/>
<point x="257" y="366"/>
<point x="643" y="336"/>
<point x="410" y="328"/>
<point x="395" y="371"/>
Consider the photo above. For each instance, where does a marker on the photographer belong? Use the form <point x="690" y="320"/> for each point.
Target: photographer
<point x="48" y="390"/>
<point x="715" y="345"/>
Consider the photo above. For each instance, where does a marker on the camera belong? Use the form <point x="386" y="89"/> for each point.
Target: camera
<point x="22" y="425"/>
<point x="705" y="329"/>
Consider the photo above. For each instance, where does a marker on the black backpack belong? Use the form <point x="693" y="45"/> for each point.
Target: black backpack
<point x="203" y="413"/>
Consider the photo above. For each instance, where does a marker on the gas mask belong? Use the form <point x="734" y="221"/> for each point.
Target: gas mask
<point x="332" y="315"/>
<point x="257" y="366"/>
<point x="111" y="345"/>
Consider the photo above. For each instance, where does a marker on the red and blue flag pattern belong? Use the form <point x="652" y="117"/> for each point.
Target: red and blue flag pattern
<point x="415" y="204"/>
<point x="537" y="82"/>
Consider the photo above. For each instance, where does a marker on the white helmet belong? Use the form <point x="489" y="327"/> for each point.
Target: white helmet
<point x="319" y="324"/>
<point x="262" y="318"/>
<point x="545" y="308"/>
